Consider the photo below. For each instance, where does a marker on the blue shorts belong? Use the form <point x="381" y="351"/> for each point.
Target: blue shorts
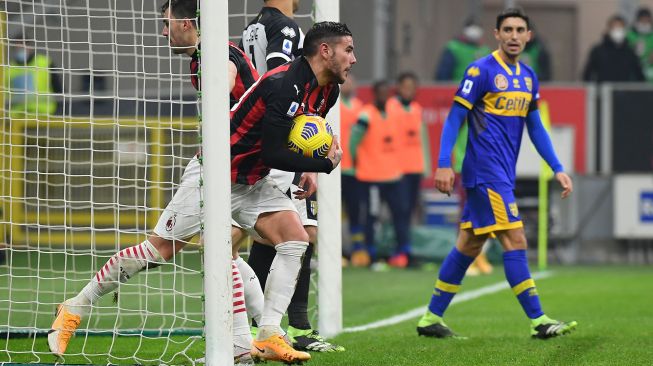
<point x="490" y="207"/>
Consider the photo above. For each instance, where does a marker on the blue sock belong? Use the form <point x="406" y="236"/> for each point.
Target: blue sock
<point x="451" y="276"/>
<point x="357" y="237"/>
<point x="357" y="246"/>
<point x="515" y="265"/>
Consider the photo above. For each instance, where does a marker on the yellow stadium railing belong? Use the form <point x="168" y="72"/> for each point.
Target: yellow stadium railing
<point x="30" y="219"/>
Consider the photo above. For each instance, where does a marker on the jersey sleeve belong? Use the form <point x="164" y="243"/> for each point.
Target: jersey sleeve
<point x="235" y="57"/>
<point x="472" y="87"/>
<point x="284" y="43"/>
<point x="536" y="94"/>
<point x="283" y="102"/>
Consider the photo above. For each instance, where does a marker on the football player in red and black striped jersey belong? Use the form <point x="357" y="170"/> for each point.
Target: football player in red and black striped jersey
<point x="260" y="124"/>
<point x="271" y="39"/>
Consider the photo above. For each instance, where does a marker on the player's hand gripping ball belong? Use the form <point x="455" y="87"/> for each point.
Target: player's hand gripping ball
<point x="310" y="136"/>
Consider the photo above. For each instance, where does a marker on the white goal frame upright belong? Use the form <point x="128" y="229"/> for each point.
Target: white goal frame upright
<point x="217" y="274"/>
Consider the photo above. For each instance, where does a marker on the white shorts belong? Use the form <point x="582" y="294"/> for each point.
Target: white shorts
<point x="249" y="201"/>
<point x="287" y="182"/>
<point x="282" y="178"/>
<point x="180" y="220"/>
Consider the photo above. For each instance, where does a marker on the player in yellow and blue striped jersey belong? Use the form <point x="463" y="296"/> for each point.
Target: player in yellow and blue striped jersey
<point x="498" y="97"/>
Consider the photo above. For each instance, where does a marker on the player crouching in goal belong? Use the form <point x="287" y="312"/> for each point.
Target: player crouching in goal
<point x="260" y="125"/>
<point x="180" y="221"/>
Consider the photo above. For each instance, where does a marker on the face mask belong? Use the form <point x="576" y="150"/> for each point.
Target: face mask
<point x="643" y="27"/>
<point x="20" y="56"/>
<point x="473" y="33"/>
<point x="617" y="35"/>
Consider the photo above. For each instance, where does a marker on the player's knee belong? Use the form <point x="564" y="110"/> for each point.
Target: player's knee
<point x="301" y="235"/>
<point x="470" y="244"/>
<point x="236" y="235"/>
<point x="518" y="240"/>
<point x="166" y="249"/>
<point x="470" y="249"/>
<point x="292" y="248"/>
<point x="513" y="240"/>
<point x="295" y="233"/>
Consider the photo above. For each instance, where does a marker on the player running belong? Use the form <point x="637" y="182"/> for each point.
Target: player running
<point x="180" y="221"/>
<point x="498" y="96"/>
<point x="270" y="40"/>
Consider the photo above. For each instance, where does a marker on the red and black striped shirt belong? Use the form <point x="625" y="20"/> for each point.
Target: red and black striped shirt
<point x="262" y="119"/>
<point x="245" y="77"/>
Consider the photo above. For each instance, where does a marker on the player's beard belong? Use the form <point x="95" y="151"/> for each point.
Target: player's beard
<point x="336" y="71"/>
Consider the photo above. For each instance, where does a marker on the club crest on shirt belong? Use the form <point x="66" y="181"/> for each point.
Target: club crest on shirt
<point x="529" y="83"/>
<point x="513" y="209"/>
<point x="288" y="32"/>
<point x="313" y="208"/>
<point x="170" y="224"/>
<point x="473" y="71"/>
<point x="501" y="82"/>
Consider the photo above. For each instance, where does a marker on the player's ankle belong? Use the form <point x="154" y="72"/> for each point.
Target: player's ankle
<point x="267" y="331"/>
<point x="78" y="305"/>
<point x="541" y="320"/>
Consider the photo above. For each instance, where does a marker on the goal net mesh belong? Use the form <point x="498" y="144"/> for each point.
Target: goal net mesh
<point x="97" y="128"/>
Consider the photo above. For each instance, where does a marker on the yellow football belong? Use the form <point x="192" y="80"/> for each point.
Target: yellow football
<point x="310" y="136"/>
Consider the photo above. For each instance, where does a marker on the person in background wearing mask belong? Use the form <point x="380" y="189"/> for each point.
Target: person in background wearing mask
<point x="613" y="59"/>
<point x="460" y="52"/>
<point x="640" y="38"/>
<point x="30" y="80"/>
<point x="537" y="56"/>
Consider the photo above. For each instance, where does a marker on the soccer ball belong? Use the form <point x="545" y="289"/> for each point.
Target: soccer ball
<point x="310" y="136"/>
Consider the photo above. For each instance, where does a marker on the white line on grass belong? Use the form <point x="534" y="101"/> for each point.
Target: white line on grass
<point x="462" y="297"/>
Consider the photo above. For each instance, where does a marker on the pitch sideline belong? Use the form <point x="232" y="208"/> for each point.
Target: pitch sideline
<point x="462" y="297"/>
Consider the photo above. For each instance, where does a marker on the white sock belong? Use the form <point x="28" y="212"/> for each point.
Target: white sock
<point x="280" y="285"/>
<point x="242" y="335"/>
<point x="253" y="290"/>
<point x="119" y="269"/>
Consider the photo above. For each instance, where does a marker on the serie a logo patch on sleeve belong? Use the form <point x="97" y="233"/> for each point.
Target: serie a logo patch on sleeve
<point x="287" y="47"/>
<point x="294" y="106"/>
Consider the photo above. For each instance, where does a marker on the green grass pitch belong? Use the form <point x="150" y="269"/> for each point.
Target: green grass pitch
<point x="613" y="306"/>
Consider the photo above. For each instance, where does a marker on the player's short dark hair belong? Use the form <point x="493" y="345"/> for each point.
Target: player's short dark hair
<point x="407" y="75"/>
<point x="181" y="9"/>
<point x="616" y="18"/>
<point x="643" y="12"/>
<point x="513" y="13"/>
<point x="323" y="32"/>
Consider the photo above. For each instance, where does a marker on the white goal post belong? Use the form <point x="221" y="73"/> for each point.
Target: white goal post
<point x="329" y="203"/>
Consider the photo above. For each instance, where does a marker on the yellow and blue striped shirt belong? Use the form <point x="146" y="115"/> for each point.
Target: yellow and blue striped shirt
<point x="499" y="97"/>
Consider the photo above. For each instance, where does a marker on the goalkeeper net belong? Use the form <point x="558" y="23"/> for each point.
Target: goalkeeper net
<point x="97" y="126"/>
